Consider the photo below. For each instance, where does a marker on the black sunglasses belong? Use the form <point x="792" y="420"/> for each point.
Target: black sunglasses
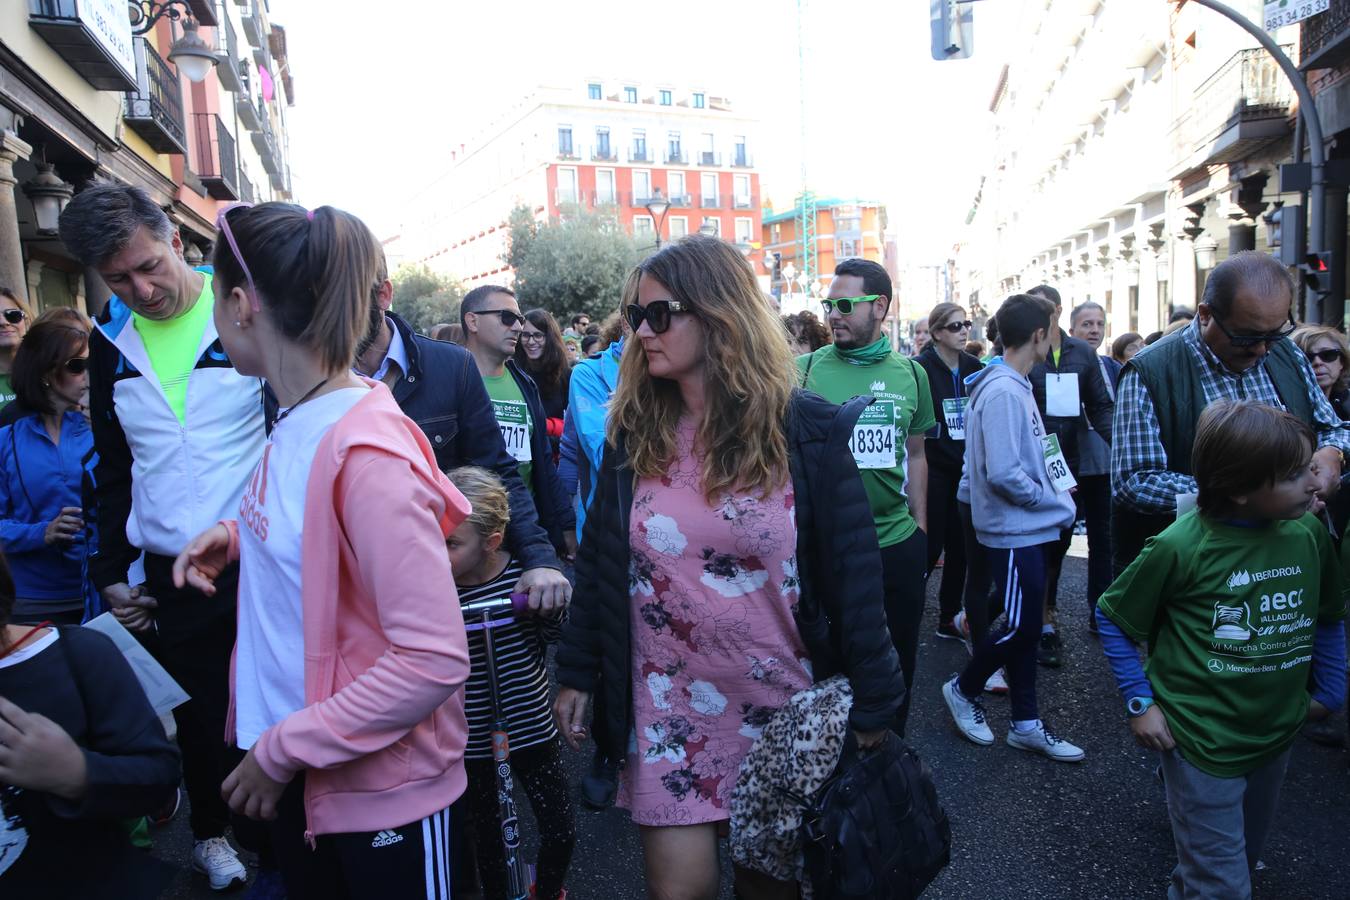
<point x="954" y="327"/>
<point x="77" y="365"/>
<point x="14" y="316"/>
<point x="1251" y="340"/>
<point x="509" y="318"/>
<point x="1326" y="356"/>
<point x="656" y="314"/>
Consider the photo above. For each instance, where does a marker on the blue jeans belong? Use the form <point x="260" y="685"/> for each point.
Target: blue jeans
<point x="1019" y="578"/>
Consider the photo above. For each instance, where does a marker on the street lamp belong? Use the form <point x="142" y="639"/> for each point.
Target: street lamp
<point x="49" y="195"/>
<point x="194" y="57"/>
<point x="708" y="229"/>
<point x="658" y="206"/>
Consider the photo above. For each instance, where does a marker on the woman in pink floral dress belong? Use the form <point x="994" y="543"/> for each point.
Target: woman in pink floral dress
<point x="729" y="559"/>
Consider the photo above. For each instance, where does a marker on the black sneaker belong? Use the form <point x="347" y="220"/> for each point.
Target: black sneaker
<point x="1047" y="654"/>
<point x="949" y="631"/>
<point x="599" y="785"/>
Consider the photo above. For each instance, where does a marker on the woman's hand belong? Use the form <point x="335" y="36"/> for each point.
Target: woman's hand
<point x="38" y="755"/>
<point x="249" y="791"/>
<point x="65" y="527"/>
<point x="569" y="712"/>
<point x="1151" y="731"/>
<point x="203" y="560"/>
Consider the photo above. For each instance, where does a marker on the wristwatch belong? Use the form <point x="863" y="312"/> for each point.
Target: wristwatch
<point x="1137" y="706"/>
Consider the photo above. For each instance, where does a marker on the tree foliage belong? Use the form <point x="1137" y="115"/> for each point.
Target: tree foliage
<point x="425" y="298"/>
<point x="574" y="265"/>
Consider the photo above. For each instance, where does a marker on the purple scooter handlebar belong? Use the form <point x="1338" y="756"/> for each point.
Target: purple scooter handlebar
<point x="494" y="611"/>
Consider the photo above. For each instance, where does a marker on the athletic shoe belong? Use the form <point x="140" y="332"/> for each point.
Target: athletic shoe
<point x="164" y="815"/>
<point x="1042" y="740"/>
<point x="216" y="859"/>
<point x="949" y="631"/>
<point x="968" y="715"/>
<point x="997" y="683"/>
<point x="1047" y="654"/>
<point x="599" y="785"/>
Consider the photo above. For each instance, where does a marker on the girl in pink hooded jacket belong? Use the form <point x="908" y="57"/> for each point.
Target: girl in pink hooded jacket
<point x="351" y="653"/>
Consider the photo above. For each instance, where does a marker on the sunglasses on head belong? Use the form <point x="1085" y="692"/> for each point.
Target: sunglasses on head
<point x="1330" y="355"/>
<point x="1251" y="340"/>
<point x="954" y="327"/>
<point x="656" y="314"/>
<point x="508" y="317"/>
<point x="845" y="304"/>
<point x="14" y="316"/>
<point x="77" y="365"/>
<point x="223" y="226"/>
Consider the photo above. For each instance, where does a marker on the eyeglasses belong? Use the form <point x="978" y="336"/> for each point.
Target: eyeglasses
<point x="1328" y="356"/>
<point x="14" y="316"/>
<point x="1251" y="340"/>
<point x="954" y="327"/>
<point x="509" y="318"/>
<point x="223" y="226"/>
<point x="77" y="365"/>
<point x="532" y="337"/>
<point x="845" y="304"/>
<point x="656" y="314"/>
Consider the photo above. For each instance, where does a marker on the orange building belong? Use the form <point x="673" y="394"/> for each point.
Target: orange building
<point x="844" y="228"/>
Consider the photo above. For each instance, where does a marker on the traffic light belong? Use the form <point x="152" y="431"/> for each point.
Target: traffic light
<point x="1317" y="271"/>
<point x="1287" y="235"/>
<point x="953" y="29"/>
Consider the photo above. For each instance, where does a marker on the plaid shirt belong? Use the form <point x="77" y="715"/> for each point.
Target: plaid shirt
<point x="1139" y="475"/>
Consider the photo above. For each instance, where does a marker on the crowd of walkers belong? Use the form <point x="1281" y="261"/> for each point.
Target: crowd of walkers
<point x="307" y="513"/>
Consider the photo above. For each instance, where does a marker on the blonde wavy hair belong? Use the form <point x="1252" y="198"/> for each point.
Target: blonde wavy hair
<point x="748" y="368"/>
<point x="486" y="495"/>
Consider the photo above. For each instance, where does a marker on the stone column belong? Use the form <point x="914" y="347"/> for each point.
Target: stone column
<point x="12" y="273"/>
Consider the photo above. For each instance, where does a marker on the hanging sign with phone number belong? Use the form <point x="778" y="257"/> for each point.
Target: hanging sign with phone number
<point x="1280" y="13"/>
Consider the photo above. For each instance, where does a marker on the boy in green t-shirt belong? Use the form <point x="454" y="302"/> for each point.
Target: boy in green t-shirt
<point x="1237" y="601"/>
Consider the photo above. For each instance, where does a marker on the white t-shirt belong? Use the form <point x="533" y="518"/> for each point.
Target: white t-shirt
<point x="270" y="653"/>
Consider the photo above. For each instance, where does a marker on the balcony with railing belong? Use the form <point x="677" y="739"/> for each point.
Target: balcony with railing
<point x="255" y="29"/>
<point x="217" y="162"/>
<point x="1241" y="107"/>
<point x="155" y="109"/>
<point x="742" y="160"/>
<point x="708" y="158"/>
<point x="1324" y="39"/>
<point x="680" y="201"/>
<point x="677" y="158"/>
<point x="709" y="201"/>
<point x="744" y="201"/>
<point x="639" y="155"/>
<point x="603" y="198"/>
<point x="604" y="154"/>
<point x="64" y="25"/>
<point x="248" y="114"/>
<point x="229" y="71"/>
<point x="639" y="199"/>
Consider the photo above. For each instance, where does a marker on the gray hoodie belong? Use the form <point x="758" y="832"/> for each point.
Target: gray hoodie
<point x="1013" y="501"/>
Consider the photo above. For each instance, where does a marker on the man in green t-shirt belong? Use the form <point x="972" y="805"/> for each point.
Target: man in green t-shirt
<point x="492" y="325"/>
<point x="887" y="442"/>
<point x="1239" y="602"/>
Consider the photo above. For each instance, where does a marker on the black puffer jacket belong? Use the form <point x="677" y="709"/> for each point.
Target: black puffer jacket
<point x="839" y="614"/>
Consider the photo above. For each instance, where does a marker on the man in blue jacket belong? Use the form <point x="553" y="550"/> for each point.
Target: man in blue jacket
<point x="437" y="385"/>
<point x="583" y="442"/>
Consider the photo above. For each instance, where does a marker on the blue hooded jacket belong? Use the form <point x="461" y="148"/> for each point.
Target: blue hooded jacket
<point x="583" y="440"/>
<point x="37" y="479"/>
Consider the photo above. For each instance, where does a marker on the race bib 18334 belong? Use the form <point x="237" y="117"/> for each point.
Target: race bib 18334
<point x="873" y="441"/>
<point x="514" y="422"/>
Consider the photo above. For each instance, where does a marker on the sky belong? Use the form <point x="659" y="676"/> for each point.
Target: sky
<point x="382" y="96"/>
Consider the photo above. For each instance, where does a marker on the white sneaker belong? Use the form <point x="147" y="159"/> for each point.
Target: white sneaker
<point x="1042" y="740"/>
<point x="968" y="715"/>
<point x="997" y="683"/>
<point x="216" y="859"/>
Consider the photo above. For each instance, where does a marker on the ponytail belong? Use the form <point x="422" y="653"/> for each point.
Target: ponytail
<point x="312" y="270"/>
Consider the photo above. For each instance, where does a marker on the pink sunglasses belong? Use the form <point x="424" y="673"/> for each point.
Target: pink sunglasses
<point x="223" y="226"/>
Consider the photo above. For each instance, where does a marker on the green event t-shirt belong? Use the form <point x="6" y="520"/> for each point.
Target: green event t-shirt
<point x="173" y="344"/>
<point x="7" y="394"/>
<point x="897" y="381"/>
<point x="1229" y="614"/>
<point x="513" y="418"/>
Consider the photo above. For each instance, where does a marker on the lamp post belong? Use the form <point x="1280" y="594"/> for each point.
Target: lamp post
<point x="658" y="206"/>
<point x="49" y="195"/>
<point x="194" y="57"/>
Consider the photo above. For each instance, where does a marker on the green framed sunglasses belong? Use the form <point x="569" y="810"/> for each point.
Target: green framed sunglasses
<point x="845" y="304"/>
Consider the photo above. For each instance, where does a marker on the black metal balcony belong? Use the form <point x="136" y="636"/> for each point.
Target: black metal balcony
<point x="247" y="111"/>
<point x="640" y="155"/>
<point x="1324" y="39"/>
<point x="708" y="158"/>
<point x="680" y="201"/>
<point x="742" y="160"/>
<point x="217" y="162"/>
<point x="246" y="192"/>
<point x="255" y="29"/>
<point x="676" y="158"/>
<point x="604" y="154"/>
<point x="709" y="201"/>
<point x="62" y="27"/>
<point x="155" y="109"/>
<point x="228" y="71"/>
<point x="1242" y="106"/>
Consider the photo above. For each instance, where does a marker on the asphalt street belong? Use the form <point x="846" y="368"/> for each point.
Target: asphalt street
<point x="1022" y="826"/>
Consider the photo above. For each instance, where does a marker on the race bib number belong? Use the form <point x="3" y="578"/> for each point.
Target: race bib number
<point x="954" y="413"/>
<point x="1061" y="395"/>
<point x="873" y="441"/>
<point x="515" y="426"/>
<point x="1055" y="466"/>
